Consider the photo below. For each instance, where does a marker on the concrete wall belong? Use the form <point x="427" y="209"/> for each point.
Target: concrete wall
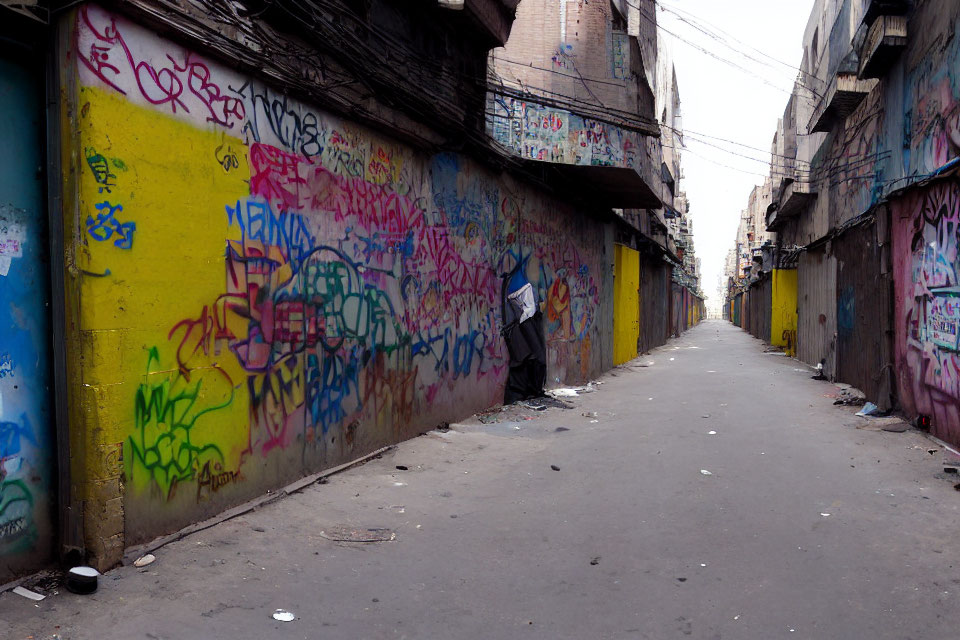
<point x="926" y="254"/>
<point x="260" y="290"/>
<point x="570" y="54"/>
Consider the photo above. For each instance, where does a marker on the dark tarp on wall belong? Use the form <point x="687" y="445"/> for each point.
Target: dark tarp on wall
<point x="523" y="332"/>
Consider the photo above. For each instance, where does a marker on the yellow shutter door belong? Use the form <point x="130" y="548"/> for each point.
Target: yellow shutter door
<point x="626" y="303"/>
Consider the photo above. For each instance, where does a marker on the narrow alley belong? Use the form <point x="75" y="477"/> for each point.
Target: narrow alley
<point x="710" y="489"/>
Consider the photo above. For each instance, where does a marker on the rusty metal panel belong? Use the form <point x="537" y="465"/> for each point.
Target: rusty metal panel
<point x="745" y="312"/>
<point x="817" y="306"/>
<point x="761" y="293"/>
<point x="655" y="296"/>
<point x="676" y="310"/>
<point x="863" y="314"/>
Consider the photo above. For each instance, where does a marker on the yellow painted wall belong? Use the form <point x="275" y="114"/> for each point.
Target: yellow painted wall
<point x="626" y="304"/>
<point x="783" y="316"/>
<point x="157" y="394"/>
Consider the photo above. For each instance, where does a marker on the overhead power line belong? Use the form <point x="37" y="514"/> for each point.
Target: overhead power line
<point x="706" y="27"/>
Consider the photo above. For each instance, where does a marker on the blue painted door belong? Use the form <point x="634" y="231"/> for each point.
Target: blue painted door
<point x="26" y="433"/>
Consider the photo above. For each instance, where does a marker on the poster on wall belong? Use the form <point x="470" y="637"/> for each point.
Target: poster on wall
<point x="943" y="318"/>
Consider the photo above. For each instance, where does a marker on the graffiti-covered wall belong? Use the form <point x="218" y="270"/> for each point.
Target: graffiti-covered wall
<point x="926" y="245"/>
<point x="265" y="289"/>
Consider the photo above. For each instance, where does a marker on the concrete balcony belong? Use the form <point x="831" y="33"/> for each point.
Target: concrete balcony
<point x="886" y="39"/>
<point x="875" y="8"/>
<point x="795" y="196"/>
<point x="844" y="93"/>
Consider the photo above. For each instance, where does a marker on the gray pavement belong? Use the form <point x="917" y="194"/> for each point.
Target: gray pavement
<point x="628" y="539"/>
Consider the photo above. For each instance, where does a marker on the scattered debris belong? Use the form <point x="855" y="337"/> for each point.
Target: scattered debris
<point x="561" y="429"/>
<point x="956" y="487"/>
<point x="571" y="392"/>
<point x="29" y="595"/>
<point x="534" y="405"/>
<point x="705" y="472"/>
<point x="851" y="397"/>
<point x="595" y="561"/>
<point x="403" y="467"/>
<point x="343" y="533"/>
<point x="594" y="421"/>
<point x="283" y="616"/>
<point x="590" y="414"/>
<point x="46" y="583"/>
<point x="259" y="529"/>
<point x="546" y="402"/>
<point x="869" y="409"/>
<point x="825" y="515"/>
<point x="681" y="579"/>
<point x="706" y="415"/>
<point x="555" y="467"/>
<point x="711" y="433"/>
<point x="144" y="560"/>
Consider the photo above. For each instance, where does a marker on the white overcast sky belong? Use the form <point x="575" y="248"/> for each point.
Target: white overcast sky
<point x="720" y="100"/>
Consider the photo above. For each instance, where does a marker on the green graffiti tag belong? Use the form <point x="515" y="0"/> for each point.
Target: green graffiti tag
<point x="164" y="443"/>
<point x="16" y="505"/>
